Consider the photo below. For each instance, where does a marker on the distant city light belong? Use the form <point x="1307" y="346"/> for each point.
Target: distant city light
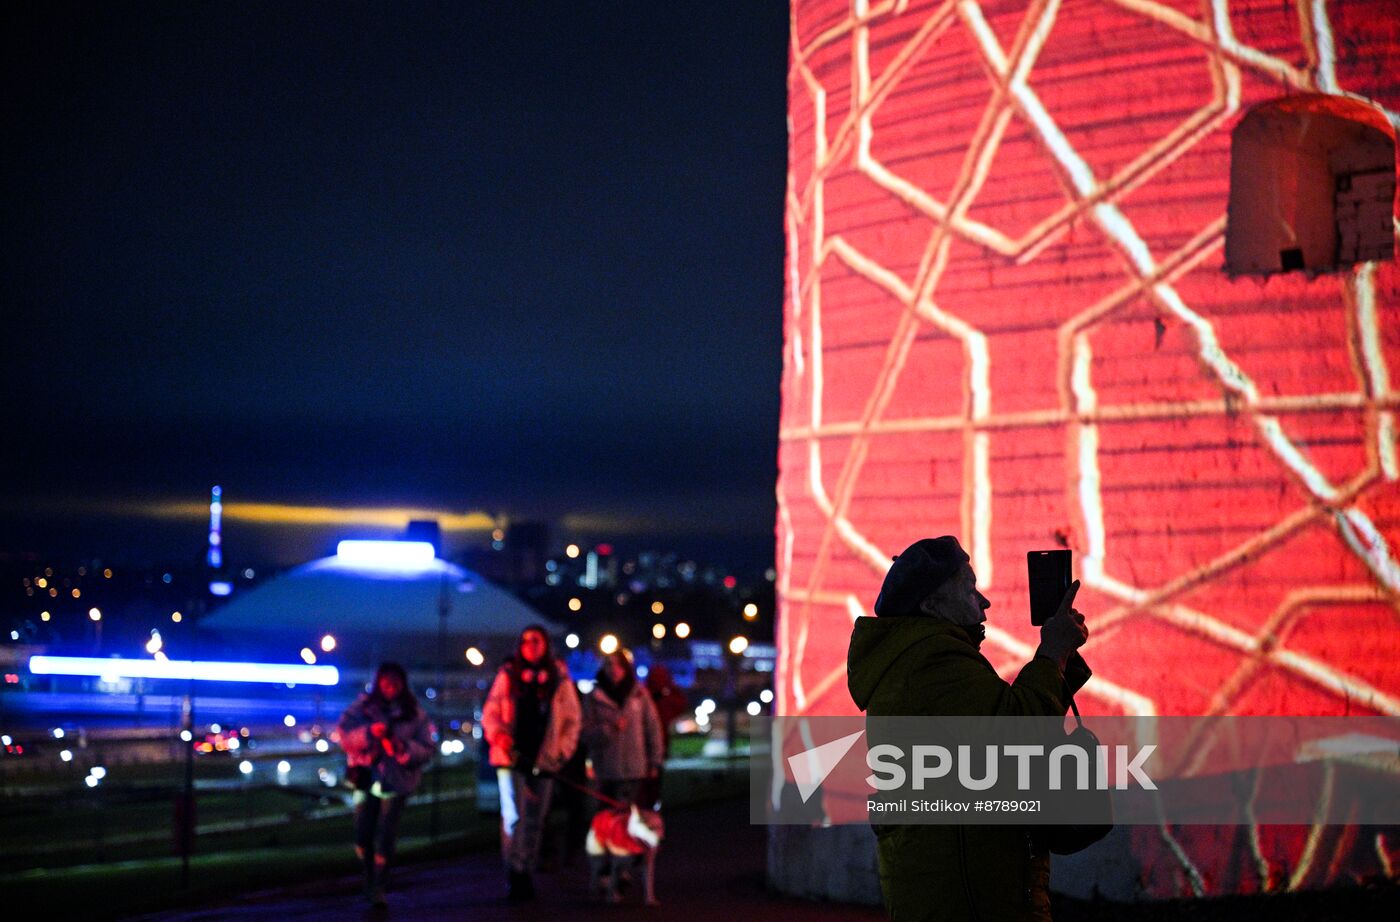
<point x="154" y="644"/>
<point x="289" y="720"/>
<point x="475" y="656"/>
<point x="90" y="781"/>
<point x="44" y="616"/>
<point x="754" y="708"/>
<point x="245" y="767"/>
<point x="95" y="613"/>
<point x="322" y="746"/>
<point x="77" y="593"/>
<point x="682" y="630"/>
<point x="308" y="657"/>
<point x="284" y="767"/>
<point x="186" y="736"/>
<point x="161" y="657"/>
<point x="608" y="644"/>
<point x="14" y="635"/>
<point x="66" y="755"/>
<point x="392" y="556"/>
<point x="750" y="611"/>
<point x="766" y="696"/>
<point x="41" y="583"/>
<point x="586" y="686"/>
<point x="575" y="604"/>
<point x="107" y="573"/>
<point x="98" y="772"/>
<point x="58" y="733"/>
<point x="658" y="630"/>
<point x="210" y="671"/>
<point x="216" y="728"/>
<point x="327" y="643"/>
<point x="234" y="743"/>
<point x="220" y="588"/>
<point x="6" y="740"/>
<point x="738" y="645"/>
<point x="571" y="641"/>
<point x="571" y="551"/>
<point x="657" y="607"/>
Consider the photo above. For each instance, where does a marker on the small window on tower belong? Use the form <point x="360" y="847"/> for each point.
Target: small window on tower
<point x="1312" y="187"/>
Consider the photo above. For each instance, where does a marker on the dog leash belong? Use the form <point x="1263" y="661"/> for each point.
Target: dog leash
<point x="616" y="804"/>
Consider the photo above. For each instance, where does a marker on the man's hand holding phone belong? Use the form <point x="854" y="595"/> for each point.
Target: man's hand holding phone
<point x="1065" y="631"/>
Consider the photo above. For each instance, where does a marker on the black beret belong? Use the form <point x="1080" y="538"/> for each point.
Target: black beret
<point x="923" y="567"/>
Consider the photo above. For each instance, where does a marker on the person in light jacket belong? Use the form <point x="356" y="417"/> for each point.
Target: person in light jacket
<point x="531" y="723"/>
<point x="387" y="739"/>
<point x="622" y="730"/>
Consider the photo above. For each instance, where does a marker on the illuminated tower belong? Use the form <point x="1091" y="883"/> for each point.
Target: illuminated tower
<point x="216" y="517"/>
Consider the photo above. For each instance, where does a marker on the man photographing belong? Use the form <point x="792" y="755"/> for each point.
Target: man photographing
<point x="919" y="657"/>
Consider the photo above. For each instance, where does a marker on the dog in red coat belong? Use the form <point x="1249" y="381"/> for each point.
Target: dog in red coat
<point x="619" y="840"/>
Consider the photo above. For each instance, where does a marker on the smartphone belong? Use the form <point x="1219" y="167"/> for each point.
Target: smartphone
<point x="1049" y="573"/>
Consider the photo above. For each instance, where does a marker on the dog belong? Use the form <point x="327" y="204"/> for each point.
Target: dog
<point x="620" y="839"/>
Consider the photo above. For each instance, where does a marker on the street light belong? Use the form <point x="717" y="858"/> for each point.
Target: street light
<point x="571" y="641"/>
<point x="682" y="630"/>
<point x="657" y="607"/>
<point x="575" y="604"/>
<point x="750" y="612"/>
<point x="738" y="645"/>
<point x="608" y="644"/>
<point x="658" y="630"/>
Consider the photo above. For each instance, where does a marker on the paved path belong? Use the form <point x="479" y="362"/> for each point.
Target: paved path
<point x="710" y="867"/>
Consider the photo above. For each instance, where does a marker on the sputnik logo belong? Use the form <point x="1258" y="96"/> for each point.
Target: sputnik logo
<point x="812" y="766"/>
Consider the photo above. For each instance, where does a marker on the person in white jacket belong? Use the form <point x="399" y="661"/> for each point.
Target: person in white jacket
<point x="531" y="722"/>
<point x="625" y="739"/>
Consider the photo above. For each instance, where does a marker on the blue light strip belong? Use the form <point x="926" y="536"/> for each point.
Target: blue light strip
<point x="272" y="673"/>
<point x="386" y="555"/>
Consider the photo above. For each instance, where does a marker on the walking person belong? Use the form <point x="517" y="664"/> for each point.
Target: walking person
<point x="622" y="730"/>
<point x="531" y="723"/>
<point x="671" y="703"/>
<point x="387" y="739"/>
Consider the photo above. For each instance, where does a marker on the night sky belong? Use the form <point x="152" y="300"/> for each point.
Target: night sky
<point x="514" y="257"/>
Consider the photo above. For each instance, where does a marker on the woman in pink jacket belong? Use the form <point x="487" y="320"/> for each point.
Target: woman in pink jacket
<point x="531" y="722"/>
<point x="387" y="739"/>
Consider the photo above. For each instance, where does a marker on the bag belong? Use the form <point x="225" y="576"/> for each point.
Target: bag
<point x="359" y="777"/>
<point x="1095" y="806"/>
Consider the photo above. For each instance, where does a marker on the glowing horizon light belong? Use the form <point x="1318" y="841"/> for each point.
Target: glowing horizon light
<point x="571" y="641"/>
<point x="209" y="671"/>
<point x="387" y="556"/>
<point x="608" y="644"/>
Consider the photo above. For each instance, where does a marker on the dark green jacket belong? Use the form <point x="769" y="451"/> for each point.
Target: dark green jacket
<point x="912" y="666"/>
